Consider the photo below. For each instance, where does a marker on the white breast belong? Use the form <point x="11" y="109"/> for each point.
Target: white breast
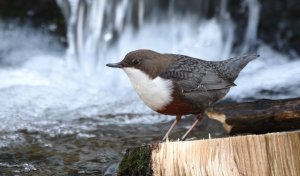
<point x="156" y="93"/>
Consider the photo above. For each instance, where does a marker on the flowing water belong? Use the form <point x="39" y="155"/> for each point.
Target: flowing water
<point x="63" y="112"/>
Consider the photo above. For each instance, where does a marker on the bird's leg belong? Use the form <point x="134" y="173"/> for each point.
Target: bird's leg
<point x="178" y="118"/>
<point x="199" y="118"/>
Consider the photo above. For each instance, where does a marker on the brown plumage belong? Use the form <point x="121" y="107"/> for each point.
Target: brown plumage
<point x="194" y="84"/>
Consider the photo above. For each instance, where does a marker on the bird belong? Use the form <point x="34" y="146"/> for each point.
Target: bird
<point x="178" y="85"/>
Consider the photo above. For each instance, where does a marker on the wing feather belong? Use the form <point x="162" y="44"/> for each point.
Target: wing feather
<point x="195" y="75"/>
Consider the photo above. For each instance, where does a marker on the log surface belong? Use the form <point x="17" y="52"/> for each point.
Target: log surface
<point x="274" y="154"/>
<point x="261" y="116"/>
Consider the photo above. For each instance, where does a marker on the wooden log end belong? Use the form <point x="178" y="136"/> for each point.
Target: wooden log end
<point x="265" y="155"/>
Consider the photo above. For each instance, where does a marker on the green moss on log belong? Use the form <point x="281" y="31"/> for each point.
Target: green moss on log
<point x="136" y="162"/>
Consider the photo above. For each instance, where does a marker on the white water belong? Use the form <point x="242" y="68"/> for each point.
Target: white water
<point x="43" y="89"/>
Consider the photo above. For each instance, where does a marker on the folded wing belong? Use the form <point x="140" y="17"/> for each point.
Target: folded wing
<point x="194" y="75"/>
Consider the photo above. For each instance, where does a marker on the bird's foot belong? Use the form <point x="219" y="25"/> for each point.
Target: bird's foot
<point x="166" y="138"/>
<point x="187" y="139"/>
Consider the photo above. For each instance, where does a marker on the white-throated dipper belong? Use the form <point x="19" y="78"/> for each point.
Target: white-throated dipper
<point x="178" y="85"/>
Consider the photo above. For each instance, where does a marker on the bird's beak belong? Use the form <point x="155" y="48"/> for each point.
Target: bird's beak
<point x="115" y="65"/>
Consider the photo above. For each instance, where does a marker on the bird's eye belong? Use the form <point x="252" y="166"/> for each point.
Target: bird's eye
<point x="135" y="61"/>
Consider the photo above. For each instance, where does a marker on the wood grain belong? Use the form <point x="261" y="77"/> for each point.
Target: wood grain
<point x="275" y="154"/>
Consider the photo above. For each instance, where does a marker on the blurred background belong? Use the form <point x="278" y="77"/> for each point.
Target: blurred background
<point x="63" y="112"/>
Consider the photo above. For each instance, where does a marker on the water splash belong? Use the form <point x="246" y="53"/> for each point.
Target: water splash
<point x="92" y="26"/>
<point x="252" y="26"/>
<point x="40" y="85"/>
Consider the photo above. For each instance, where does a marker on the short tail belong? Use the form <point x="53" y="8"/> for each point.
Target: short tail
<point x="233" y="66"/>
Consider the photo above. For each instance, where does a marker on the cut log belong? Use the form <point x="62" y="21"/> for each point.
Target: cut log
<point x="275" y="154"/>
<point x="261" y="116"/>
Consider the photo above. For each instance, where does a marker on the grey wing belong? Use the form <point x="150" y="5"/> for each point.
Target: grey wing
<point x="194" y="75"/>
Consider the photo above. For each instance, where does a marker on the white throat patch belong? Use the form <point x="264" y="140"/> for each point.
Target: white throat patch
<point x="156" y="93"/>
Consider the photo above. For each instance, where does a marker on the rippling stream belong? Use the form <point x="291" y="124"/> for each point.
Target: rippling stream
<point x="85" y="146"/>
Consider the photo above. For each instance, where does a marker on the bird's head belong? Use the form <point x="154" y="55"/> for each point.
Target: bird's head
<point x="147" y="61"/>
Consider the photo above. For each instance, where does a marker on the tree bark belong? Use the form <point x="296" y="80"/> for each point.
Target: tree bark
<point x="261" y="116"/>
